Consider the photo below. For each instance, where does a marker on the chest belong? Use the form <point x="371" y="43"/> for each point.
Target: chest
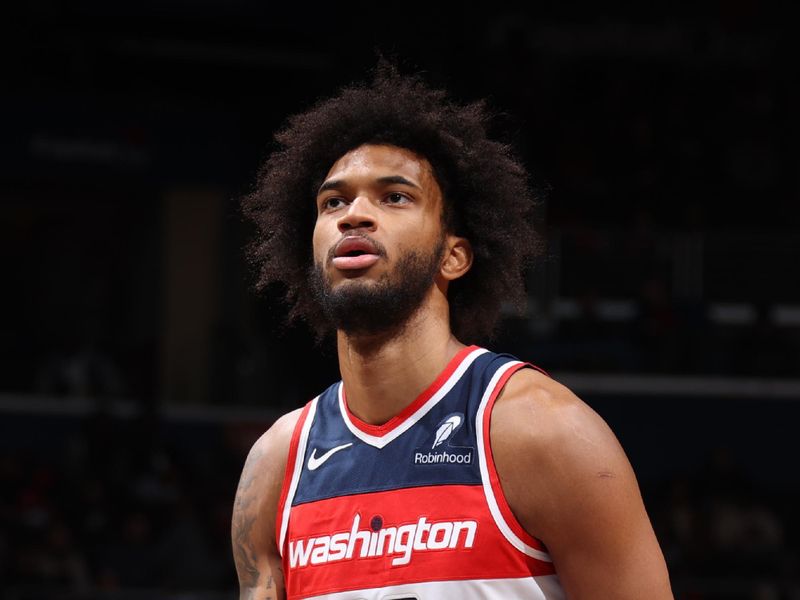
<point x="437" y="448"/>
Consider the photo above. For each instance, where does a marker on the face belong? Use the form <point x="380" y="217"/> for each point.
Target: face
<point x="379" y="240"/>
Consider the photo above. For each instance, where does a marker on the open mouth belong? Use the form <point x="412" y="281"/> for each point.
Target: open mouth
<point x="355" y="252"/>
<point x="355" y="245"/>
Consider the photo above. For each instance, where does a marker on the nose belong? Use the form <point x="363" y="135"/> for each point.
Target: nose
<point x="357" y="216"/>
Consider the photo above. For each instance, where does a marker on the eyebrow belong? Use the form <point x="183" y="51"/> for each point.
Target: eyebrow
<point x="334" y="184"/>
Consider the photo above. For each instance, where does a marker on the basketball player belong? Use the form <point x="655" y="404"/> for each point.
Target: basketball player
<point x="435" y="468"/>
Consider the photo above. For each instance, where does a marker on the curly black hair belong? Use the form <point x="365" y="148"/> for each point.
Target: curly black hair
<point x="488" y="196"/>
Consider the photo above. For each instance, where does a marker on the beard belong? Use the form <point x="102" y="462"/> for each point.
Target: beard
<point x="383" y="306"/>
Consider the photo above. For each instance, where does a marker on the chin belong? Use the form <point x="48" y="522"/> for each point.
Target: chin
<point x="353" y="286"/>
<point x="352" y="278"/>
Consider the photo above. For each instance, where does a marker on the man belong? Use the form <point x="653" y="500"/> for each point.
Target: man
<point x="434" y="469"/>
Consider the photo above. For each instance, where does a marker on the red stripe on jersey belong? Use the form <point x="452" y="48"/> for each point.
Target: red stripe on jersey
<point x="494" y="478"/>
<point x="431" y="533"/>
<point x="289" y="472"/>
<point x="381" y="430"/>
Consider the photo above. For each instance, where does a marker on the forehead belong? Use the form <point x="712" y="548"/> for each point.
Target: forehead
<point x="371" y="160"/>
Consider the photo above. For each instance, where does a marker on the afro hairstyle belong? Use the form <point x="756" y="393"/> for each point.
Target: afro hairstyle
<point x="488" y="196"/>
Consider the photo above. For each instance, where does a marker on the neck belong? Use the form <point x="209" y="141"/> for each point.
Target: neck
<point x="385" y="372"/>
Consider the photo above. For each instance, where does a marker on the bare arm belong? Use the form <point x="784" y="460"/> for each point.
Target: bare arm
<point x="570" y="485"/>
<point x="255" y="552"/>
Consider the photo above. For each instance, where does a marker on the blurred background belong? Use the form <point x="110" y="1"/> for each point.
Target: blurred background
<point x="137" y="366"/>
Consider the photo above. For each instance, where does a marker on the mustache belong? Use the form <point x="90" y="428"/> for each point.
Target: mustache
<point x="380" y="248"/>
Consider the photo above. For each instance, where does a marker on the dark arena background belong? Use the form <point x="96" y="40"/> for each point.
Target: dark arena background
<point x="137" y="366"/>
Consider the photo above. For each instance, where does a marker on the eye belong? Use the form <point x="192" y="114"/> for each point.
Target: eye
<point x="397" y="198"/>
<point x="332" y="203"/>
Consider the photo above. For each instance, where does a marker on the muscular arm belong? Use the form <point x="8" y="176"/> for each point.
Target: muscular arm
<point x="258" y="563"/>
<point x="569" y="483"/>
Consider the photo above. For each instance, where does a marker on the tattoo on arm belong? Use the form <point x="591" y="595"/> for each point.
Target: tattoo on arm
<point x="244" y="516"/>
<point x="271" y="593"/>
<point x="254" y="595"/>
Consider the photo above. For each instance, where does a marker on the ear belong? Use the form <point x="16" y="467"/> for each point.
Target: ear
<point x="457" y="258"/>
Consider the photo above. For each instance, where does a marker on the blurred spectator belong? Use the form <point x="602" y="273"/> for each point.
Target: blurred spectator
<point x="128" y="561"/>
<point x="744" y="533"/>
<point x="81" y="368"/>
<point x="185" y="554"/>
<point x="59" y="562"/>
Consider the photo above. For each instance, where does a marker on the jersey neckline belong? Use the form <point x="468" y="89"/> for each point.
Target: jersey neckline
<point x="380" y="435"/>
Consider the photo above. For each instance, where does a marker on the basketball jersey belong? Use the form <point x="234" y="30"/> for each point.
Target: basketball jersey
<point x="411" y="509"/>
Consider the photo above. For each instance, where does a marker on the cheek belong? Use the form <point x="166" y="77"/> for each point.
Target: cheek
<point x="431" y="229"/>
<point x="319" y="247"/>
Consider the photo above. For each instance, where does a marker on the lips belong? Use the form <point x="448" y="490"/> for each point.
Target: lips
<point x="355" y="252"/>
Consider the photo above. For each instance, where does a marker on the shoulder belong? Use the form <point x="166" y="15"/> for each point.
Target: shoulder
<point x="265" y="465"/>
<point x="539" y="411"/>
<point x="263" y="472"/>
<point x="568" y="482"/>
<point x="274" y="442"/>
<point x="552" y="449"/>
